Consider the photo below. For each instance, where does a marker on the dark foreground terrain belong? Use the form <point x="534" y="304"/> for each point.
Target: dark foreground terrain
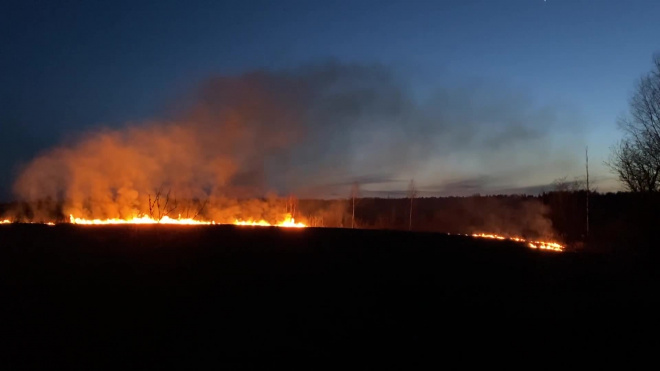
<point x="170" y="295"/>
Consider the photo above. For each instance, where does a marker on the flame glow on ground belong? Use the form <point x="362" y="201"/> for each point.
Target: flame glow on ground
<point x="289" y="222"/>
<point x="541" y="245"/>
<point x="7" y="221"/>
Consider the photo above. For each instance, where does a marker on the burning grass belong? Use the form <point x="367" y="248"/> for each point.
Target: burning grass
<point x="541" y="245"/>
<point x="288" y="222"/>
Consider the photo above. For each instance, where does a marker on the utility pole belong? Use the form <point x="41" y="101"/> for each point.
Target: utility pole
<point x="412" y="192"/>
<point x="586" y="155"/>
<point x="353" y="217"/>
<point x="355" y="192"/>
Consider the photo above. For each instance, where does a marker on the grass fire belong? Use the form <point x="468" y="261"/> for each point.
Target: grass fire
<point x="288" y="222"/>
<point x="191" y="184"/>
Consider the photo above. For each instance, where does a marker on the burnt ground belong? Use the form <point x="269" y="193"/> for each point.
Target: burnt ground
<point x="188" y="295"/>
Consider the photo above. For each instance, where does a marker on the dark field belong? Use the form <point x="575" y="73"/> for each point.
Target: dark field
<point x="188" y="295"/>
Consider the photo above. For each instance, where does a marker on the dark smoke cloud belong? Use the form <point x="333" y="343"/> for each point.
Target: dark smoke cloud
<point x="312" y="131"/>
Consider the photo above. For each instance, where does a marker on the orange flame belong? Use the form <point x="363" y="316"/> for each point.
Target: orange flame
<point x="7" y="221"/>
<point x="287" y="222"/>
<point x="541" y="245"/>
<point x="137" y="220"/>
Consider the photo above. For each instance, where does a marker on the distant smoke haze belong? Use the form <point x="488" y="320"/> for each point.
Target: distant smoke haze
<point x="310" y="131"/>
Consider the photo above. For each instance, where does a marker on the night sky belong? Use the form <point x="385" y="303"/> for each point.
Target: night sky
<point x="510" y="91"/>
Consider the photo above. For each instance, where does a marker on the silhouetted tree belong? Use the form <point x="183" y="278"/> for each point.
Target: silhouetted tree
<point x="159" y="208"/>
<point x="636" y="158"/>
<point x="291" y="205"/>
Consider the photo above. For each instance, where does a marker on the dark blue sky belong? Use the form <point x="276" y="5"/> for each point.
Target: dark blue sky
<point x="69" y="66"/>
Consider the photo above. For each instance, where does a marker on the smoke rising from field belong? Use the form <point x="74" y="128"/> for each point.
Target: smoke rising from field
<point x="293" y="131"/>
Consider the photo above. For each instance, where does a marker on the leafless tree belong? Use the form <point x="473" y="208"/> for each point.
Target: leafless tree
<point x="636" y="168"/>
<point x="200" y="207"/>
<point x="636" y="158"/>
<point x="315" y="221"/>
<point x="159" y="208"/>
<point x="291" y="205"/>
<point x="412" y="193"/>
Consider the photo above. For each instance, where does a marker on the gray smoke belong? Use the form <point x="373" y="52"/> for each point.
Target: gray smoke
<point x="309" y="131"/>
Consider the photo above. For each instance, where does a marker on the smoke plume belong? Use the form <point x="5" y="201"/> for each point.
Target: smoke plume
<point x="253" y="136"/>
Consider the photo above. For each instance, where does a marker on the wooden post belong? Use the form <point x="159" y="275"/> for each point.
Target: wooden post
<point x="586" y="154"/>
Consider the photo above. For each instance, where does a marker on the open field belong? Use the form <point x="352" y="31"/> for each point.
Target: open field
<point x="181" y="293"/>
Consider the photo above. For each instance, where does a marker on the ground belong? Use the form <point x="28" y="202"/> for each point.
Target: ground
<point x="188" y="294"/>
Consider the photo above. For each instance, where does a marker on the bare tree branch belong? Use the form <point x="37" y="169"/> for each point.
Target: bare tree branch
<point x="636" y="158"/>
<point x="201" y="208"/>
